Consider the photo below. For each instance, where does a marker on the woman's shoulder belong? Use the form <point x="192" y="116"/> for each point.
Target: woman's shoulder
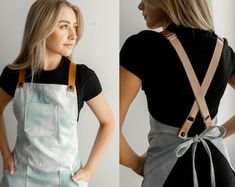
<point x="144" y="41"/>
<point x="8" y="80"/>
<point x="9" y="70"/>
<point x="9" y="73"/>
<point x="81" y="69"/>
<point x="88" y="81"/>
<point x="85" y="73"/>
<point x="84" y="69"/>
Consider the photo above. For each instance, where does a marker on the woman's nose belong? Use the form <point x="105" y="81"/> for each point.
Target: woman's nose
<point x="72" y="34"/>
<point x="141" y="5"/>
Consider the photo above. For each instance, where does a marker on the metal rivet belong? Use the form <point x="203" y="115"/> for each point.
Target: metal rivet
<point x="182" y="134"/>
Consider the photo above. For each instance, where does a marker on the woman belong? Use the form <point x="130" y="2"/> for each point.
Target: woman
<point x="186" y="147"/>
<point x="48" y="92"/>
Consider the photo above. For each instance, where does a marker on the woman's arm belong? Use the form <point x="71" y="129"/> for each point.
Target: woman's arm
<point x="232" y="81"/>
<point x="103" y="113"/>
<point x="230" y="127"/>
<point x="230" y="124"/>
<point x="8" y="162"/>
<point x="129" y="87"/>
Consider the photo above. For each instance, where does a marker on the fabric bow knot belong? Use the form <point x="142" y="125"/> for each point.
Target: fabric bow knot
<point x="210" y="133"/>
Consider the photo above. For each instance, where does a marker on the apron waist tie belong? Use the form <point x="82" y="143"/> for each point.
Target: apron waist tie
<point x="210" y="133"/>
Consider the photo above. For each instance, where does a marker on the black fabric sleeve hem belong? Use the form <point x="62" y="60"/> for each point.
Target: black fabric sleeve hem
<point x="131" y="71"/>
<point x="93" y="95"/>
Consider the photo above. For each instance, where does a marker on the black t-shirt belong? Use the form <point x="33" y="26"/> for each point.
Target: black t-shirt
<point x="87" y="83"/>
<point x="151" y="57"/>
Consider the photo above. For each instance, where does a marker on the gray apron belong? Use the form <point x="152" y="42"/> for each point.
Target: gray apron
<point x="168" y="143"/>
<point x="165" y="147"/>
<point x="46" y="151"/>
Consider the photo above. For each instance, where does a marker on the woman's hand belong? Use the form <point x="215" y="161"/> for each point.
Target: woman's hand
<point x="8" y="163"/>
<point x="139" y="167"/>
<point x="82" y="174"/>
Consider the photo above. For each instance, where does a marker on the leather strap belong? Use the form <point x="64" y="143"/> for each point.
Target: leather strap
<point x="205" y="85"/>
<point x="199" y="91"/>
<point x="72" y="77"/>
<point x="21" y="78"/>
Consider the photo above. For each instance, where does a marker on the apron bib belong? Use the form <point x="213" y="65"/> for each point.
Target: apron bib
<point x="46" y="151"/>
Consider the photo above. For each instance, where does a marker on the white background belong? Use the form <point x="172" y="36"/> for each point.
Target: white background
<point x="131" y="22"/>
<point x="98" y="49"/>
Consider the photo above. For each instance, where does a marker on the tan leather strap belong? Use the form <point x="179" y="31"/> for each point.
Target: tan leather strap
<point x="72" y="77"/>
<point x="205" y="85"/>
<point x="198" y="91"/>
<point x="21" y="78"/>
<point x="191" y="76"/>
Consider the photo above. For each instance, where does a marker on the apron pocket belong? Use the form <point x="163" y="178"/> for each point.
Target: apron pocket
<point x="38" y="178"/>
<point x="66" y="180"/>
<point x="41" y="119"/>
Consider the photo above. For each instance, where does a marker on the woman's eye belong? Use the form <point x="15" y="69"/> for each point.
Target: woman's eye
<point x="64" y="26"/>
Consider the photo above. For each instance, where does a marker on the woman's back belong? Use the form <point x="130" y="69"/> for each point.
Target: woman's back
<point x="169" y="95"/>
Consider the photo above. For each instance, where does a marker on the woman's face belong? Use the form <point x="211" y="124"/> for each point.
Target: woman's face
<point x="62" y="40"/>
<point x="153" y="16"/>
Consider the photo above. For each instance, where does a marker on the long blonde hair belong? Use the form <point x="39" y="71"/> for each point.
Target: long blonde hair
<point x="188" y="13"/>
<point x="41" y="20"/>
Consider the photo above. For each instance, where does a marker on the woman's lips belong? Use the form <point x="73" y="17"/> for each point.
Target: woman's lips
<point x="69" y="45"/>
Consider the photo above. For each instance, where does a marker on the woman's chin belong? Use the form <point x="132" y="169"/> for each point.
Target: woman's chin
<point x="67" y="53"/>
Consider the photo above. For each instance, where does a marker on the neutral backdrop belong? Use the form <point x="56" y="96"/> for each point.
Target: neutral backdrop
<point x="136" y="125"/>
<point x="98" y="49"/>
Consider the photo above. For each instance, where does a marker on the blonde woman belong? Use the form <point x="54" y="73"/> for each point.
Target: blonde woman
<point x="48" y="91"/>
<point x="183" y="71"/>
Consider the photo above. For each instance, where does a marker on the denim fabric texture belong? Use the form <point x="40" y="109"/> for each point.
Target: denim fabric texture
<point x="164" y="147"/>
<point x="46" y="151"/>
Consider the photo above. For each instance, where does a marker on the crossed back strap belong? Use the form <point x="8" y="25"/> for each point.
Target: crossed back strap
<point x="71" y="77"/>
<point x="199" y="91"/>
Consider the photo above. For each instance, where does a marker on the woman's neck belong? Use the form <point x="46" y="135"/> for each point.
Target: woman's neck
<point x="51" y="61"/>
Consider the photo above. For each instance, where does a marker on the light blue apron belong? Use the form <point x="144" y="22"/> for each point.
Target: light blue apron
<point x="46" y="151"/>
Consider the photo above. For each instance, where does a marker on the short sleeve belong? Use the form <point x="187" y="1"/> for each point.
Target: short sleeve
<point x="8" y="80"/>
<point x="90" y="83"/>
<point x="130" y="57"/>
<point x="233" y="60"/>
<point x="229" y="56"/>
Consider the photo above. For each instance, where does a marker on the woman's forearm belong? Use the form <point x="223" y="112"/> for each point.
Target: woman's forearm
<point x="129" y="87"/>
<point x="4" y="147"/>
<point x="102" y="140"/>
<point x="230" y="127"/>
<point x="4" y="100"/>
<point x="128" y="157"/>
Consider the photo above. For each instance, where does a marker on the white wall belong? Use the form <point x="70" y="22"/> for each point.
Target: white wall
<point x="131" y="22"/>
<point x="98" y="49"/>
